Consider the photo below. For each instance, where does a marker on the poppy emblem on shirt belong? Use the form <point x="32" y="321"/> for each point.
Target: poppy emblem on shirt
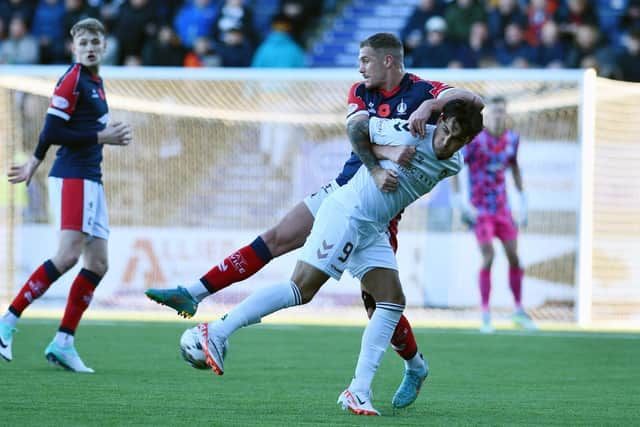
<point x="384" y="110"/>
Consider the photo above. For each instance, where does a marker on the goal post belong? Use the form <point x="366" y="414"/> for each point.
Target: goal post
<point x="219" y="155"/>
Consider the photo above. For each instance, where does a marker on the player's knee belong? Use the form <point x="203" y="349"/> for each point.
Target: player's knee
<point x="100" y="266"/>
<point x="65" y="261"/>
<point x="487" y="259"/>
<point x="276" y="241"/>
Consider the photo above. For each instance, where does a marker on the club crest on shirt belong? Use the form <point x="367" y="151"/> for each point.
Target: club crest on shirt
<point x="59" y="102"/>
<point x="401" y="108"/>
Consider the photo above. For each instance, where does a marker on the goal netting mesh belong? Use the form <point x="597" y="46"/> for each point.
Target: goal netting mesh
<point x="220" y="156"/>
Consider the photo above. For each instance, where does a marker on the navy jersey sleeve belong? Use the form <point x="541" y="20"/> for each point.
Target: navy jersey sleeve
<point x="56" y="132"/>
<point x="66" y="94"/>
<point x="63" y="104"/>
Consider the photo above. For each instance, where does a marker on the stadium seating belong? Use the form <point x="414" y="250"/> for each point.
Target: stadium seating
<point x="338" y="46"/>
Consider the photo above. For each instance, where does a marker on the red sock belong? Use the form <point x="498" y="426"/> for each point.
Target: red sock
<point x="79" y="299"/>
<point x="241" y="264"/>
<point x="515" y="283"/>
<point x="403" y="341"/>
<point x="35" y="287"/>
<point x="485" y="287"/>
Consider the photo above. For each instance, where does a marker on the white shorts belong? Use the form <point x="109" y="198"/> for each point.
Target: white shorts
<point x="338" y="242"/>
<point x="314" y="200"/>
<point x="79" y="204"/>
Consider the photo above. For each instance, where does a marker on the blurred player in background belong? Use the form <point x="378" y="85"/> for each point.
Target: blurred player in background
<point x="489" y="156"/>
<point x="387" y="91"/>
<point x="351" y="232"/>
<point x="78" y="121"/>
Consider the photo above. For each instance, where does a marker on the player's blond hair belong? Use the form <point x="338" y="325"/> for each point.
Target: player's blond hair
<point x="91" y="25"/>
<point x="388" y="44"/>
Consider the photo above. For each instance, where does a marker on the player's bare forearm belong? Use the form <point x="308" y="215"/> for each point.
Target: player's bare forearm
<point x="517" y="177"/>
<point x="401" y="154"/>
<point x="358" y="132"/>
<point x="457" y="93"/>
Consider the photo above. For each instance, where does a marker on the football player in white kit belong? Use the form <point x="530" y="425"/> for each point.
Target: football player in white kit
<point x="350" y="232"/>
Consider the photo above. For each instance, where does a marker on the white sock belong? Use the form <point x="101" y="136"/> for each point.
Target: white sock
<point x="257" y="305"/>
<point x="415" y="363"/>
<point x="10" y="319"/>
<point x="198" y="291"/>
<point x="64" y="339"/>
<point x="375" y="340"/>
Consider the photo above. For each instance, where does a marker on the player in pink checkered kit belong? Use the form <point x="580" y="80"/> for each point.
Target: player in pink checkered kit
<point x="488" y="157"/>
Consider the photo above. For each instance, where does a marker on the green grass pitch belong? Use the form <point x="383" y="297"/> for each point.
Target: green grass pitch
<point x="292" y="376"/>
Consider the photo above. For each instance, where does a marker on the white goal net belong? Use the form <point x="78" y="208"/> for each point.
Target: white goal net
<point x="221" y="155"/>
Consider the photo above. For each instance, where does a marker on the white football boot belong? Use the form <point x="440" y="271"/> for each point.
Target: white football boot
<point x="357" y="402"/>
<point x="6" y="337"/>
<point x="487" y="327"/>
<point x="66" y="357"/>
<point x="214" y="347"/>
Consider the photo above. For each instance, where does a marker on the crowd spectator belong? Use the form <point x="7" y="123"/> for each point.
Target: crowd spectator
<point x="436" y="51"/>
<point x="11" y="8"/>
<point x="203" y="54"/>
<point x="610" y="13"/>
<point x="235" y="49"/>
<point x="236" y="15"/>
<point x="460" y="16"/>
<point x="194" y="20"/>
<point x="413" y="33"/>
<point x="479" y="51"/>
<point x="136" y="24"/>
<point x="20" y="47"/>
<point x="164" y="49"/>
<point x="479" y="33"/>
<point x="499" y="16"/>
<point x="630" y="21"/>
<point x="590" y="51"/>
<point x="539" y="12"/>
<point x="576" y="13"/>
<point x="551" y="51"/>
<point x="48" y="32"/>
<point x="514" y="50"/>
<point x="304" y="16"/>
<point x="279" y="49"/>
<point x="629" y="59"/>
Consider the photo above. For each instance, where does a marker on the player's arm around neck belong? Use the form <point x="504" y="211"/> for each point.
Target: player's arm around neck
<point x="419" y="118"/>
<point x="358" y="132"/>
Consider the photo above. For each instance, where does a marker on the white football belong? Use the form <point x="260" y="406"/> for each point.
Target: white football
<point x="191" y="349"/>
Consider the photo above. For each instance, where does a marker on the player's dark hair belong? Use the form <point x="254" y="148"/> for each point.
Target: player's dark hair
<point x="91" y="25"/>
<point x="387" y="43"/>
<point x="467" y="114"/>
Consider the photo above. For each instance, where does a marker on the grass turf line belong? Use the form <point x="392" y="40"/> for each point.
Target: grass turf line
<point x="279" y="375"/>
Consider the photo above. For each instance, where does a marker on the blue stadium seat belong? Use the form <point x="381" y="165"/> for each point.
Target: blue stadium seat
<point x="339" y="45"/>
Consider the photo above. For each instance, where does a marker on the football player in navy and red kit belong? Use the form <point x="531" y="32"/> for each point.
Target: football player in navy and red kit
<point x="387" y="91"/>
<point x="77" y="120"/>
